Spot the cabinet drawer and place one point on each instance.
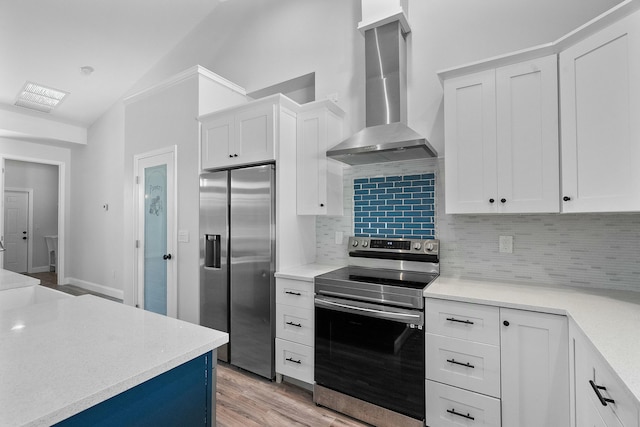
(473, 322)
(469, 365)
(294, 360)
(451, 406)
(294, 324)
(297, 293)
(590, 367)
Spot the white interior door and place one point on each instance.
(16, 214)
(155, 232)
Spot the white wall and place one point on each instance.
(43, 180)
(97, 238)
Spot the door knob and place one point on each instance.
(167, 256)
(24, 232)
(24, 238)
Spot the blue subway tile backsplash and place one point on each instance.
(394, 206)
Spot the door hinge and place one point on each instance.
(137, 179)
(137, 244)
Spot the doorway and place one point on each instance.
(155, 231)
(31, 215)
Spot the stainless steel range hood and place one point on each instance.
(386, 138)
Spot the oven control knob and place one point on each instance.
(417, 246)
(355, 243)
(365, 244)
(429, 247)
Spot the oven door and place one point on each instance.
(371, 352)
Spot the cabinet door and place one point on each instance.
(591, 371)
(254, 135)
(470, 135)
(527, 136)
(320, 188)
(312, 163)
(217, 137)
(535, 369)
(600, 106)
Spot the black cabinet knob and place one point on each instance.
(235, 155)
(503, 200)
(24, 238)
(167, 256)
(566, 198)
(322, 205)
(505, 323)
(491, 200)
(230, 155)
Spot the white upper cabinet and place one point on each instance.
(501, 139)
(320, 188)
(239, 137)
(600, 110)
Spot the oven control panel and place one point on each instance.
(384, 245)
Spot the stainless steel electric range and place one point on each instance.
(369, 338)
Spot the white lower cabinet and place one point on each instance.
(452, 406)
(535, 369)
(520, 380)
(294, 329)
(601, 398)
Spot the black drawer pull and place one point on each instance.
(299, 325)
(293, 293)
(453, 319)
(290, 359)
(455, 362)
(453, 411)
(596, 390)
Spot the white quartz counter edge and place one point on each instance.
(609, 319)
(72, 354)
(11, 280)
(305, 272)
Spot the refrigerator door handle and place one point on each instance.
(212, 251)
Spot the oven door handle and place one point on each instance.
(409, 318)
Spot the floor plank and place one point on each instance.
(244, 399)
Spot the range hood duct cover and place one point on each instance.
(386, 138)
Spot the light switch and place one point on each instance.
(506, 244)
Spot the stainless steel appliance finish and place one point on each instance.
(369, 338)
(237, 263)
(387, 137)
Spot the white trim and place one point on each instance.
(610, 16)
(94, 287)
(60, 264)
(398, 16)
(43, 269)
(29, 192)
(179, 78)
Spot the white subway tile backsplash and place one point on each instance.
(588, 250)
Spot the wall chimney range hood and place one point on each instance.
(386, 138)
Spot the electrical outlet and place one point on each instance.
(506, 244)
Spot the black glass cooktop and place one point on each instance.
(405, 279)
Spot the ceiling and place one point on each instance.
(48, 41)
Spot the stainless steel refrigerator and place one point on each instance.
(237, 263)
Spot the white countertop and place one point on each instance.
(11, 280)
(64, 356)
(306, 272)
(609, 318)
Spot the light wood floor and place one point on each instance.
(246, 400)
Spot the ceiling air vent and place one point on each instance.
(39, 98)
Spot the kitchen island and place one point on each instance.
(89, 361)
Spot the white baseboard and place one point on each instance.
(115, 293)
(43, 269)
